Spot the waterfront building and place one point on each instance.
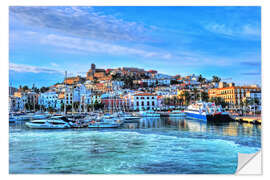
(233, 95)
(48, 99)
(145, 101)
(17, 103)
(115, 102)
(255, 98)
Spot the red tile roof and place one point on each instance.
(144, 94)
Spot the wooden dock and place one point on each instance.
(249, 119)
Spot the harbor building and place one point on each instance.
(145, 101)
(48, 99)
(234, 95)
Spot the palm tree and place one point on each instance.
(204, 96)
(216, 79)
(201, 79)
(195, 91)
(187, 97)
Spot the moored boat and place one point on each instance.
(58, 122)
(207, 111)
(177, 113)
(149, 113)
(106, 121)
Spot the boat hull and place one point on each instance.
(206, 118)
(45, 126)
(196, 116)
(103, 125)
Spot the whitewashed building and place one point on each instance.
(48, 99)
(145, 101)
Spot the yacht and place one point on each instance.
(103, 124)
(176, 113)
(12, 120)
(106, 121)
(57, 122)
(149, 113)
(207, 111)
(128, 117)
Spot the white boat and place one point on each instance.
(176, 113)
(52, 123)
(31, 116)
(207, 111)
(106, 121)
(100, 124)
(149, 113)
(12, 120)
(128, 116)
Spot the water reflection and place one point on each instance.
(150, 122)
(182, 124)
(154, 146)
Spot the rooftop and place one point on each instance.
(144, 94)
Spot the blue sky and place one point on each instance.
(222, 41)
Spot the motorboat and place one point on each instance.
(149, 113)
(12, 120)
(103, 124)
(57, 122)
(207, 111)
(177, 113)
(128, 117)
(106, 121)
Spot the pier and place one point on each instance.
(249, 119)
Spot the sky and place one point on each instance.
(221, 41)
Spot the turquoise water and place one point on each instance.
(154, 146)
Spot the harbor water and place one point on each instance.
(150, 146)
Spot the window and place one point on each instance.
(142, 103)
(148, 103)
(142, 97)
(153, 103)
(147, 97)
(153, 97)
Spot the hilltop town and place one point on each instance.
(133, 89)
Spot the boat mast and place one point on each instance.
(65, 101)
(72, 93)
(34, 103)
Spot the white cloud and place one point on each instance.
(32, 69)
(54, 64)
(81, 21)
(92, 46)
(237, 31)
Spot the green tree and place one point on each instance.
(216, 79)
(44, 89)
(51, 110)
(219, 101)
(204, 96)
(187, 97)
(25, 88)
(195, 91)
(68, 108)
(201, 79)
(172, 82)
